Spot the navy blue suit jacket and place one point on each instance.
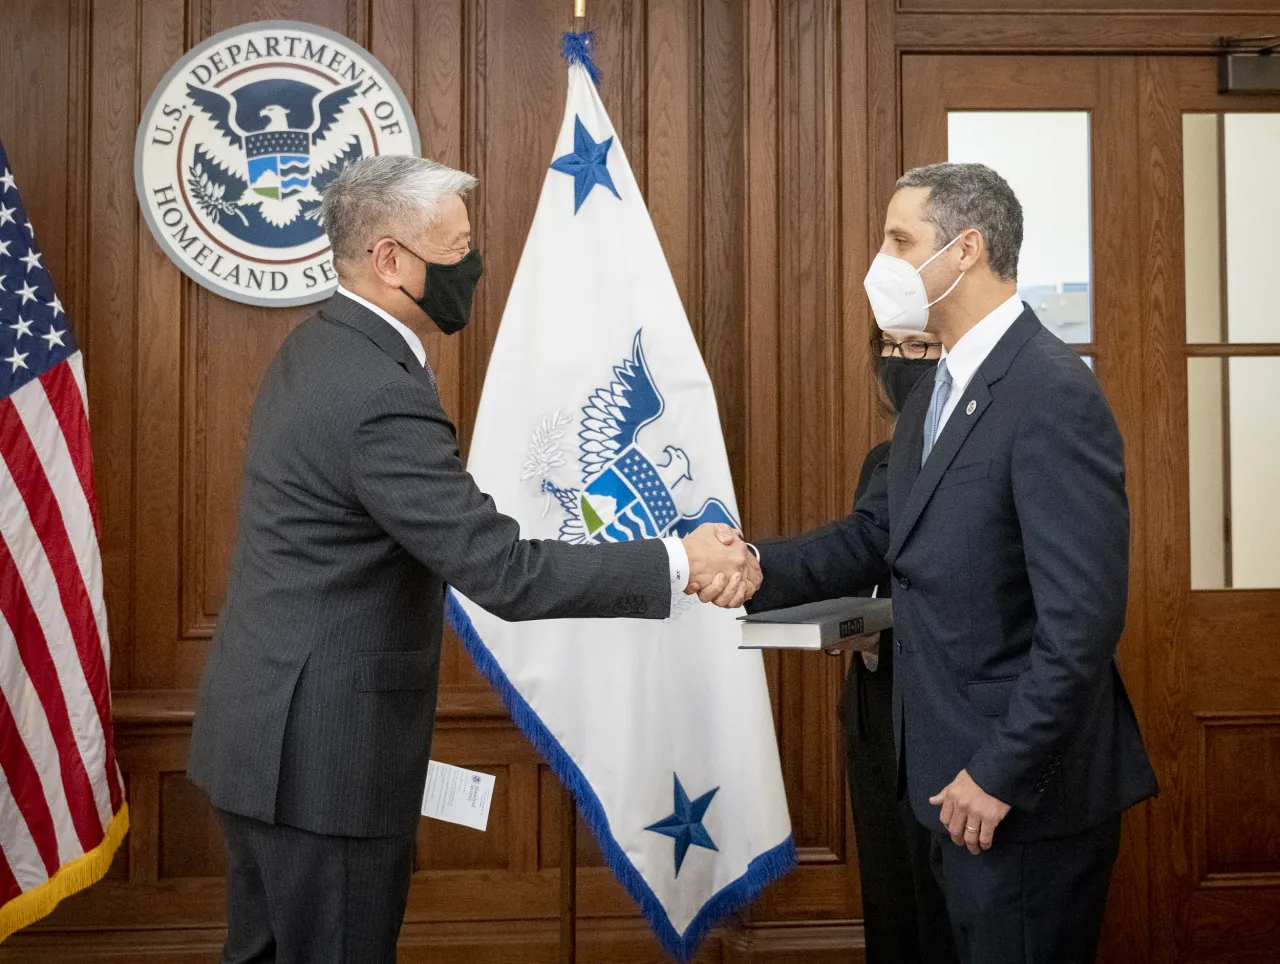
(1009, 555)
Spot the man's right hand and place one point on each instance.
(722, 569)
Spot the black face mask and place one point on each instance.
(899, 376)
(448, 289)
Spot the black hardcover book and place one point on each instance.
(853, 622)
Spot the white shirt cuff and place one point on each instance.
(678, 561)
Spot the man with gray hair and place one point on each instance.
(314, 716)
(1001, 517)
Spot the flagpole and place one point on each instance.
(568, 808)
(568, 879)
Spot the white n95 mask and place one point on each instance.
(896, 292)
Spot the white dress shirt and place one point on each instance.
(677, 558)
(968, 354)
(415, 343)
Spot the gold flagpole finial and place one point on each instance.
(579, 9)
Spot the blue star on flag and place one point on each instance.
(586, 165)
(684, 826)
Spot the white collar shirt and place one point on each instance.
(968, 354)
(414, 342)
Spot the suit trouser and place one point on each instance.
(903, 909)
(296, 897)
(1029, 903)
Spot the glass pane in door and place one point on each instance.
(1231, 180)
(1044, 155)
(1231, 209)
(1234, 448)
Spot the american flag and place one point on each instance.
(62, 809)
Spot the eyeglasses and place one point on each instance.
(913, 348)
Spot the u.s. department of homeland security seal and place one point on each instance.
(238, 141)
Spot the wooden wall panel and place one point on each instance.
(719, 165)
(191, 842)
(799, 473)
(1034, 28)
(111, 212)
(1087, 6)
(672, 187)
(765, 137)
(36, 127)
(450, 847)
(174, 369)
(160, 288)
(516, 94)
(1242, 797)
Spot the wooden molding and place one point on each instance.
(1035, 31)
(616, 940)
(132, 709)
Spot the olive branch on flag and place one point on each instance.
(544, 452)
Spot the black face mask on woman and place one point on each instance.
(448, 289)
(899, 376)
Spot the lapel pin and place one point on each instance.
(972, 408)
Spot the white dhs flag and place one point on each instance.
(598, 423)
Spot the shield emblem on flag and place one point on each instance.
(628, 500)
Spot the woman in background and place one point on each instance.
(903, 907)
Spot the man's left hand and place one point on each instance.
(969, 813)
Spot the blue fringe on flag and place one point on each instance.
(576, 49)
(761, 872)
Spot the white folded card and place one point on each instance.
(458, 795)
(850, 623)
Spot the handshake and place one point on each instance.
(723, 569)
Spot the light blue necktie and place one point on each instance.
(941, 392)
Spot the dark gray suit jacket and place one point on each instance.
(318, 698)
(1009, 553)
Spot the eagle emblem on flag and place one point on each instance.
(626, 494)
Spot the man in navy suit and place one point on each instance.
(1001, 517)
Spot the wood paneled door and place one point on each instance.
(1199, 874)
(1213, 707)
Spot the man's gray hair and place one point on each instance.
(964, 196)
(387, 196)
